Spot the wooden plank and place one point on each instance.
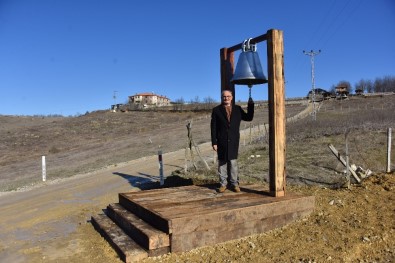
(208, 210)
(341, 159)
(212, 205)
(198, 216)
(163, 195)
(191, 203)
(208, 220)
(149, 216)
(218, 206)
(183, 194)
(144, 234)
(277, 143)
(187, 241)
(127, 249)
(226, 71)
(162, 202)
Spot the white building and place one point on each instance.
(149, 99)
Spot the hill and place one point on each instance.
(75, 145)
(50, 224)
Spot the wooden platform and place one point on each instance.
(183, 218)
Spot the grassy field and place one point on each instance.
(309, 159)
(74, 145)
(354, 224)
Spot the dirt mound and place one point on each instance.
(348, 225)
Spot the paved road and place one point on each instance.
(36, 221)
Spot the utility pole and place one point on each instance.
(312, 53)
(115, 97)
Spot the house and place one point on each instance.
(319, 95)
(342, 92)
(342, 89)
(149, 99)
(359, 91)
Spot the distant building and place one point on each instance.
(359, 91)
(149, 99)
(342, 89)
(342, 92)
(319, 95)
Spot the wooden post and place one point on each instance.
(227, 68)
(389, 150)
(162, 179)
(189, 147)
(277, 171)
(347, 161)
(250, 134)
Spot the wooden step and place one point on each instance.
(127, 249)
(155, 241)
(198, 216)
(144, 213)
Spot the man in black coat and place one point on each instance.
(225, 137)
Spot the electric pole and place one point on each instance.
(312, 54)
(115, 97)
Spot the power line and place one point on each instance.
(337, 21)
(312, 54)
(324, 21)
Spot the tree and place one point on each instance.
(378, 85)
(195, 100)
(386, 84)
(369, 86)
(383, 84)
(208, 102)
(333, 89)
(364, 86)
(178, 104)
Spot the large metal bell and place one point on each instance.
(248, 69)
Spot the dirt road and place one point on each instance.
(51, 223)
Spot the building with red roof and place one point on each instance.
(149, 99)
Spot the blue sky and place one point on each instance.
(68, 57)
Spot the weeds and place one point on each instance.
(98, 139)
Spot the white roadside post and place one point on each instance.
(44, 168)
(162, 181)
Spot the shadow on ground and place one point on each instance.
(145, 181)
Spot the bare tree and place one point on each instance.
(385, 84)
(195, 100)
(179, 104)
(364, 86)
(208, 102)
(333, 89)
(369, 86)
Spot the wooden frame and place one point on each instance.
(276, 97)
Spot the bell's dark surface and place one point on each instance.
(248, 70)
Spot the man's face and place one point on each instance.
(227, 98)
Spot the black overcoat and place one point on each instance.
(227, 135)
